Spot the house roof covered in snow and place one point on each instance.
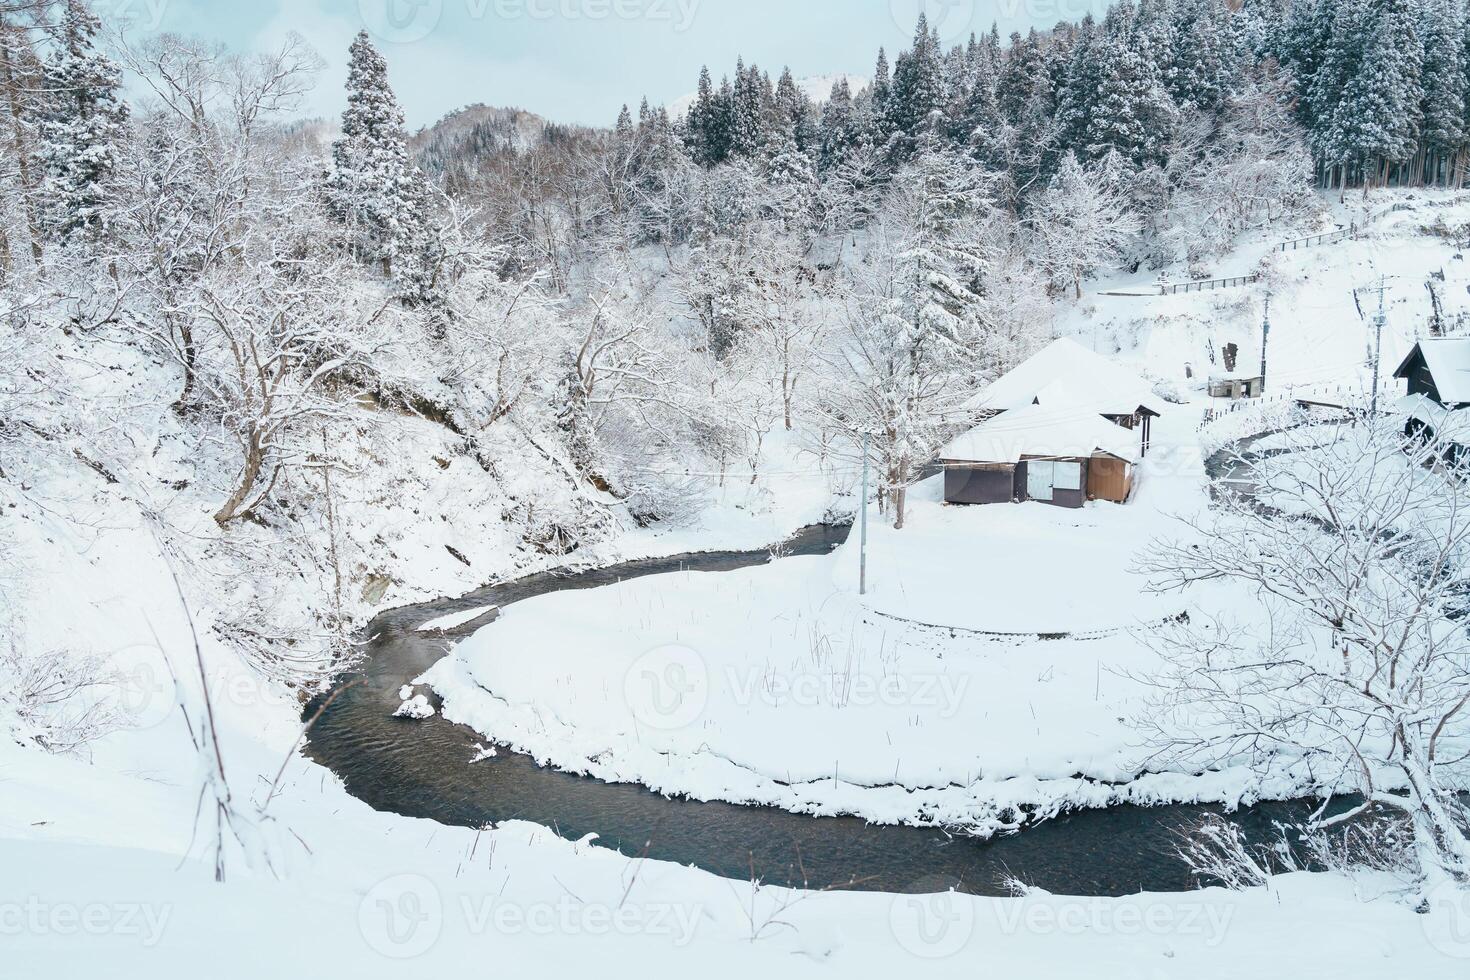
(1040, 430)
(1450, 424)
(1448, 359)
(1064, 374)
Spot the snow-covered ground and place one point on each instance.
(1022, 716)
(1321, 333)
(832, 699)
(994, 663)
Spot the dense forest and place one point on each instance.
(1379, 87)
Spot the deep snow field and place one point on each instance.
(811, 699)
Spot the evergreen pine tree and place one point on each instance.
(788, 101)
(1463, 162)
(1444, 85)
(1078, 92)
(918, 84)
(1375, 123)
(722, 127)
(979, 107)
(748, 116)
(373, 186)
(83, 124)
(702, 122)
(1132, 113)
(1205, 66)
(838, 129)
(1265, 28)
(879, 94)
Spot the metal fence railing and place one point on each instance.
(1201, 285)
(1326, 238)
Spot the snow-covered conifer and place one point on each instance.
(84, 122)
(373, 186)
(1131, 112)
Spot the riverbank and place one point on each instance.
(989, 676)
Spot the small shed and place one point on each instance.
(1439, 369)
(1063, 457)
(1237, 386)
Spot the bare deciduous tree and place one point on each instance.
(1353, 674)
(274, 340)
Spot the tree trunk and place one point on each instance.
(186, 335)
(18, 139)
(254, 459)
(1443, 846)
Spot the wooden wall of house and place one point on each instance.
(1421, 382)
(1109, 478)
(980, 483)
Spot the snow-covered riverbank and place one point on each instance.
(996, 663)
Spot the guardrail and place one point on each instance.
(1326, 238)
(1201, 285)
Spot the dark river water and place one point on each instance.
(423, 769)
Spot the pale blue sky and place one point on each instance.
(577, 61)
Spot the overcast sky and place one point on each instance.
(577, 61)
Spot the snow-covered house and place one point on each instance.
(1437, 405)
(1064, 427)
(1058, 455)
(1439, 369)
(1066, 375)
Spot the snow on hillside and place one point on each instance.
(1323, 302)
(512, 128)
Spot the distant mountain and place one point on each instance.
(317, 134)
(508, 127)
(815, 87)
(481, 132)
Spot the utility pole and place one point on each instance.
(863, 508)
(1265, 338)
(1378, 322)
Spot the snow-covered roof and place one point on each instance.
(1039, 430)
(1449, 361)
(1066, 374)
(1451, 424)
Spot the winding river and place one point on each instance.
(424, 769)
